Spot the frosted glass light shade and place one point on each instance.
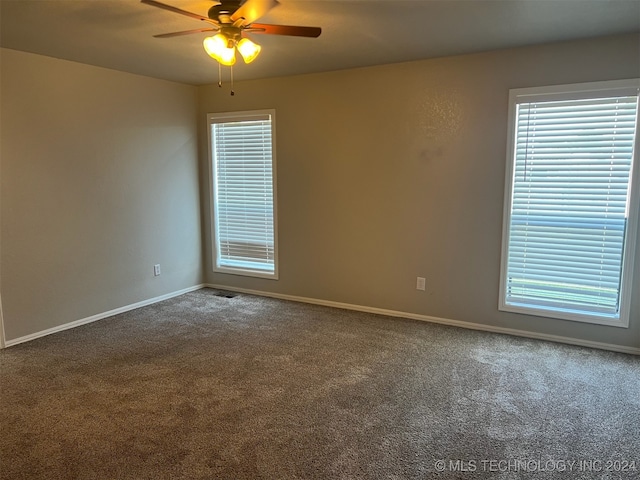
(217, 48)
(248, 50)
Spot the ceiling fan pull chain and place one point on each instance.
(219, 75)
(232, 92)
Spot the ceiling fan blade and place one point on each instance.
(186, 32)
(251, 10)
(164, 6)
(313, 32)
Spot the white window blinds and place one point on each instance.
(243, 197)
(569, 213)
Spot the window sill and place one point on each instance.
(607, 320)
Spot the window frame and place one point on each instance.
(569, 92)
(222, 117)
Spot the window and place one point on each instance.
(571, 207)
(243, 193)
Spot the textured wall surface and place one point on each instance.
(392, 172)
(99, 183)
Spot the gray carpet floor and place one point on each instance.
(202, 386)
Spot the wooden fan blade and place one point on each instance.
(313, 32)
(164, 6)
(252, 10)
(186, 32)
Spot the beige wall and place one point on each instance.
(393, 172)
(99, 182)
(384, 174)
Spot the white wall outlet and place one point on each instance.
(156, 269)
(420, 283)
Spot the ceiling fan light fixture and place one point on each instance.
(248, 49)
(231, 19)
(217, 48)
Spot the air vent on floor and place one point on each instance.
(226, 294)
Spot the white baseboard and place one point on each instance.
(1, 326)
(328, 303)
(99, 316)
(443, 321)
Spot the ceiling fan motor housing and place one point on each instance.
(224, 8)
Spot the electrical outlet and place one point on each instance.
(156, 269)
(420, 283)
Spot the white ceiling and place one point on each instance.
(117, 34)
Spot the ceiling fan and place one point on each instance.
(231, 19)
